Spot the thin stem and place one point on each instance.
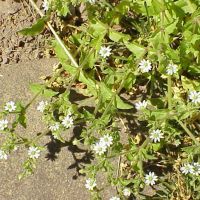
(118, 169)
(55, 35)
(33, 99)
(113, 96)
(169, 95)
(188, 131)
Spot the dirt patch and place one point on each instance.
(14, 47)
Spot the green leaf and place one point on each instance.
(136, 49)
(107, 94)
(70, 69)
(117, 36)
(36, 87)
(121, 104)
(190, 84)
(158, 6)
(59, 51)
(49, 93)
(36, 28)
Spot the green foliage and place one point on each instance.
(36, 28)
(118, 96)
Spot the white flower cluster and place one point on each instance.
(3, 124)
(151, 178)
(141, 105)
(41, 106)
(171, 69)
(68, 122)
(194, 96)
(145, 66)
(101, 146)
(3, 155)
(193, 168)
(90, 184)
(156, 135)
(105, 52)
(34, 152)
(10, 106)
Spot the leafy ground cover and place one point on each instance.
(134, 66)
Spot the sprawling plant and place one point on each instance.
(135, 77)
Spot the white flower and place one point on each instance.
(194, 97)
(33, 152)
(67, 122)
(107, 140)
(99, 148)
(187, 168)
(127, 192)
(41, 106)
(156, 135)
(91, 1)
(145, 66)
(90, 184)
(171, 69)
(45, 5)
(141, 105)
(114, 198)
(10, 106)
(105, 52)
(3, 124)
(177, 143)
(151, 178)
(54, 127)
(196, 171)
(3, 155)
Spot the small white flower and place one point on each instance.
(107, 139)
(187, 168)
(177, 143)
(41, 106)
(99, 148)
(90, 184)
(3, 155)
(45, 5)
(171, 69)
(33, 152)
(145, 66)
(105, 52)
(3, 124)
(67, 122)
(196, 171)
(194, 96)
(54, 127)
(156, 135)
(92, 1)
(127, 192)
(10, 106)
(151, 178)
(114, 198)
(141, 105)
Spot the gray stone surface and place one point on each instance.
(53, 180)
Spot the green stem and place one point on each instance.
(188, 131)
(33, 99)
(73, 61)
(169, 95)
(113, 97)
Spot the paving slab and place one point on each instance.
(54, 179)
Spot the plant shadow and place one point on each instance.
(54, 147)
